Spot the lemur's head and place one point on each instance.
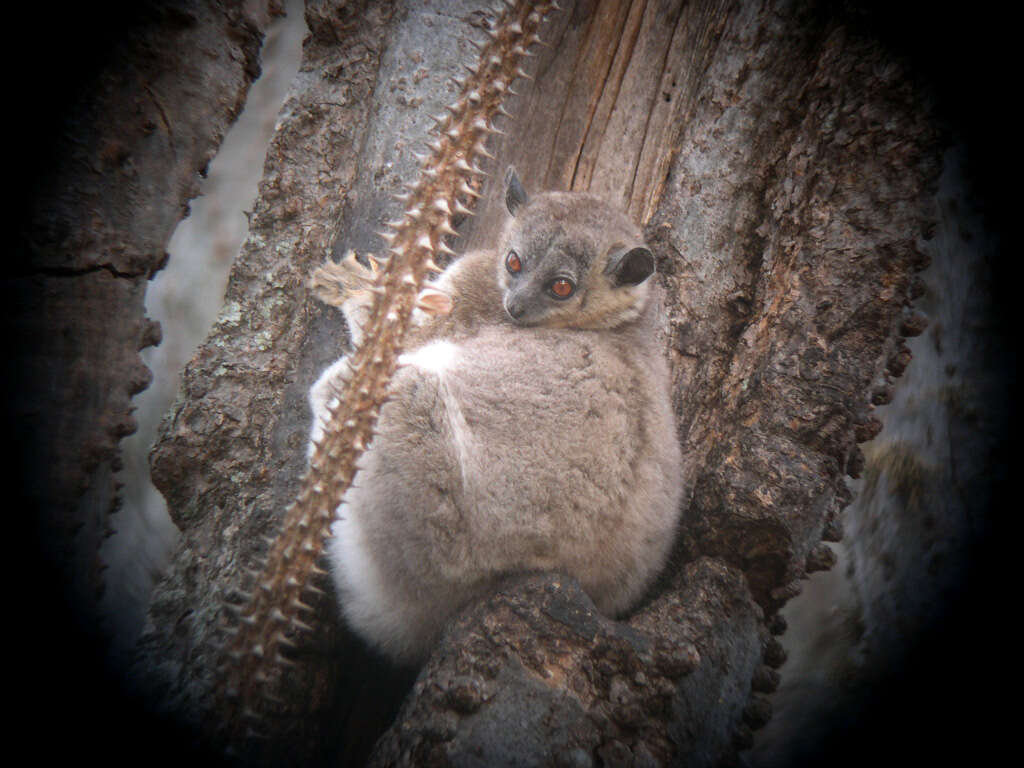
(570, 260)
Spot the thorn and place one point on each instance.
(460, 208)
(523, 74)
(299, 605)
(284, 661)
(282, 639)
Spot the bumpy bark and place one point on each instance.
(131, 111)
(782, 165)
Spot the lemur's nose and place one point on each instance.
(514, 307)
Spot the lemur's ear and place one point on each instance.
(629, 266)
(515, 195)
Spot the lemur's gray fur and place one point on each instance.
(530, 429)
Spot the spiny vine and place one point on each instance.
(275, 613)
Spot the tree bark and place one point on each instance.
(783, 165)
(109, 153)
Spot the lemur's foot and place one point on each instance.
(337, 283)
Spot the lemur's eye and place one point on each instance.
(512, 263)
(562, 288)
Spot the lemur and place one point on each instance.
(529, 428)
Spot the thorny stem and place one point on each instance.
(272, 619)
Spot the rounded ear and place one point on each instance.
(515, 195)
(629, 266)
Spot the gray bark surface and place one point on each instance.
(784, 165)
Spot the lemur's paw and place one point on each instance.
(335, 283)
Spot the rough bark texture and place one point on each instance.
(581, 689)
(783, 165)
(132, 112)
(235, 446)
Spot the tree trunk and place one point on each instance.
(783, 165)
(107, 154)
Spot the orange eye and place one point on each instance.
(512, 263)
(562, 288)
